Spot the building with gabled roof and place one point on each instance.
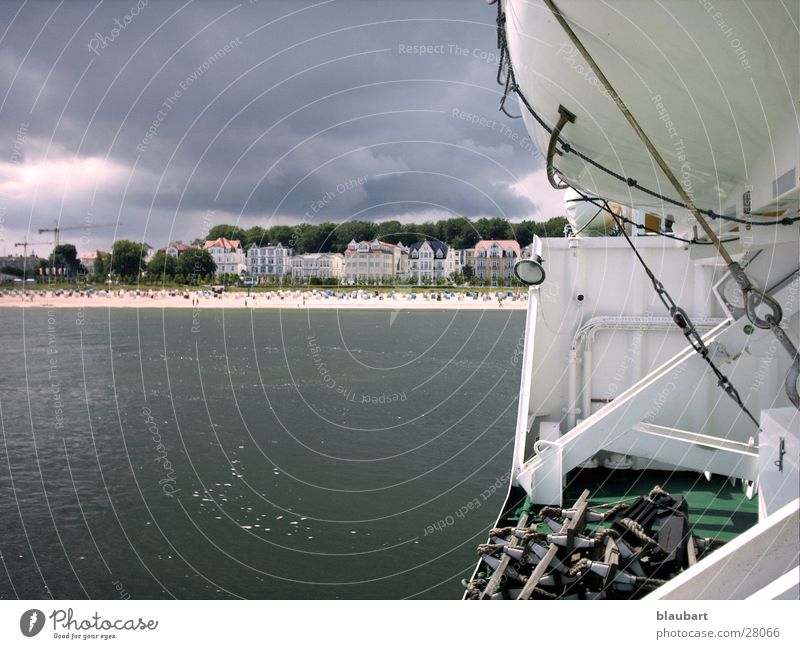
(375, 260)
(429, 261)
(494, 260)
(228, 255)
(269, 261)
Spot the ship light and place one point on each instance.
(530, 271)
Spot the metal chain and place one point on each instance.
(684, 322)
(753, 296)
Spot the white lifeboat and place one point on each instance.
(715, 86)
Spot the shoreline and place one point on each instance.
(260, 302)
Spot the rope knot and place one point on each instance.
(632, 182)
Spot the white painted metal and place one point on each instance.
(752, 561)
(585, 217)
(638, 403)
(523, 419)
(779, 473)
(668, 390)
(687, 450)
(785, 587)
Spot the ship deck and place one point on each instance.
(717, 509)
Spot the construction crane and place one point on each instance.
(58, 230)
(25, 245)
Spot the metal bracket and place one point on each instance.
(781, 453)
(564, 117)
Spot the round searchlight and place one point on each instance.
(530, 271)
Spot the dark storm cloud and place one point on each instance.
(256, 111)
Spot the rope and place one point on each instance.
(509, 83)
(658, 492)
(650, 582)
(543, 593)
(500, 531)
(578, 567)
(638, 531)
(551, 512)
(488, 548)
(601, 534)
(616, 509)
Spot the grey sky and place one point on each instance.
(197, 113)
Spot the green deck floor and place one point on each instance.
(717, 509)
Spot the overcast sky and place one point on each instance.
(166, 118)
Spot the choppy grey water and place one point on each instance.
(156, 454)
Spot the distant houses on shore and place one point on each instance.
(376, 261)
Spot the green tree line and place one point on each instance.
(333, 237)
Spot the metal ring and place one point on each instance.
(753, 298)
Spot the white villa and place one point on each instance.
(430, 260)
(228, 255)
(89, 259)
(325, 265)
(177, 249)
(269, 261)
(375, 260)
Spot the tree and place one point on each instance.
(64, 256)
(127, 258)
(459, 233)
(163, 264)
(231, 232)
(468, 271)
(102, 264)
(11, 270)
(255, 235)
(282, 234)
(390, 231)
(494, 228)
(354, 230)
(316, 238)
(194, 264)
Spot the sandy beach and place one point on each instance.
(348, 299)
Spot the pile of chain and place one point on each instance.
(609, 552)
